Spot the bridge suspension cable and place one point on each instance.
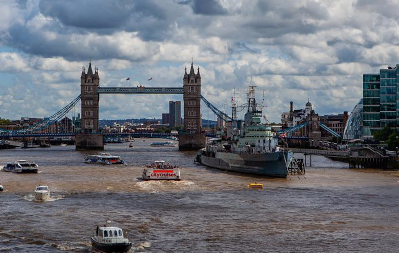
(215, 110)
(47, 121)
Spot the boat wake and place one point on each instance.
(156, 186)
(53, 197)
(142, 246)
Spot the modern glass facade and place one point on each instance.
(354, 128)
(371, 104)
(380, 100)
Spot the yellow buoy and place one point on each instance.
(256, 185)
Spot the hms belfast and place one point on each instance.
(252, 150)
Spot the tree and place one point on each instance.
(383, 134)
(4, 121)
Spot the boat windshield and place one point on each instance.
(42, 188)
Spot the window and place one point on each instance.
(88, 89)
(192, 102)
(105, 233)
(89, 102)
(89, 113)
(89, 123)
(192, 89)
(110, 233)
(115, 233)
(192, 113)
(120, 232)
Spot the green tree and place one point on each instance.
(4, 121)
(383, 134)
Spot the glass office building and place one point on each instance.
(354, 125)
(380, 101)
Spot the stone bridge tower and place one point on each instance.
(192, 138)
(89, 136)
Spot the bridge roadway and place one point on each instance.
(135, 135)
(140, 90)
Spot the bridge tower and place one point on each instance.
(192, 138)
(89, 136)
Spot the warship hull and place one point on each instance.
(265, 164)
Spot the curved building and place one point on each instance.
(354, 126)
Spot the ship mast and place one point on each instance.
(234, 105)
(251, 99)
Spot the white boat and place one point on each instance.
(160, 170)
(131, 145)
(64, 144)
(21, 166)
(104, 158)
(1, 188)
(163, 144)
(110, 239)
(42, 193)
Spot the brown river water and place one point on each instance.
(330, 209)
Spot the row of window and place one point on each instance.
(191, 102)
(89, 123)
(387, 73)
(373, 86)
(192, 113)
(371, 116)
(89, 113)
(89, 102)
(109, 233)
(388, 82)
(371, 101)
(371, 78)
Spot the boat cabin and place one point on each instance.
(12, 165)
(161, 165)
(42, 188)
(109, 234)
(26, 164)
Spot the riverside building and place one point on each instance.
(380, 101)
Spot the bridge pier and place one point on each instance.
(189, 141)
(86, 141)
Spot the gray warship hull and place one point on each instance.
(265, 164)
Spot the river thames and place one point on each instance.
(330, 209)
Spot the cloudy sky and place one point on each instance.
(293, 49)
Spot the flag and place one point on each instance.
(127, 79)
(150, 79)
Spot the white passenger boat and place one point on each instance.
(160, 170)
(21, 166)
(163, 144)
(42, 193)
(104, 158)
(110, 239)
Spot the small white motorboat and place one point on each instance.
(1, 188)
(110, 239)
(42, 193)
(160, 170)
(131, 145)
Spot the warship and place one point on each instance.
(252, 149)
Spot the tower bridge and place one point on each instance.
(89, 136)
